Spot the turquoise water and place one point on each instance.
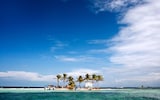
(117, 94)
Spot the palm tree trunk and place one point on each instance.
(79, 85)
(57, 83)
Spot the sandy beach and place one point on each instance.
(21, 90)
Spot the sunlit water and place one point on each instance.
(114, 94)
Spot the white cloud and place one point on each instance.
(67, 59)
(136, 48)
(99, 51)
(27, 76)
(58, 45)
(138, 43)
(101, 41)
(130, 76)
(83, 72)
(116, 5)
(75, 58)
(147, 78)
(36, 77)
(72, 52)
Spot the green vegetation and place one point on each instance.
(58, 78)
(64, 79)
(80, 80)
(72, 83)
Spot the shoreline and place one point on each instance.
(42, 90)
(55, 89)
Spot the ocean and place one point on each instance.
(113, 94)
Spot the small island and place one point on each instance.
(69, 83)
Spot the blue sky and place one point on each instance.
(40, 39)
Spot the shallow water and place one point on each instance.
(117, 94)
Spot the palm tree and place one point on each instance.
(71, 83)
(94, 77)
(87, 77)
(64, 78)
(80, 80)
(58, 78)
(70, 78)
(99, 78)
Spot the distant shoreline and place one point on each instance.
(20, 87)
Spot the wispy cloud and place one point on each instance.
(58, 45)
(113, 5)
(72, 52)
(104, 50)
(104, 42)
(138, 43)
(100, 41)
(130, 76)
(27, 76)
(136, 48)
(75, 58)
(67, 59)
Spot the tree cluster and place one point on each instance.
(71, 82)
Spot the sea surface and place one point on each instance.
(112, 94)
